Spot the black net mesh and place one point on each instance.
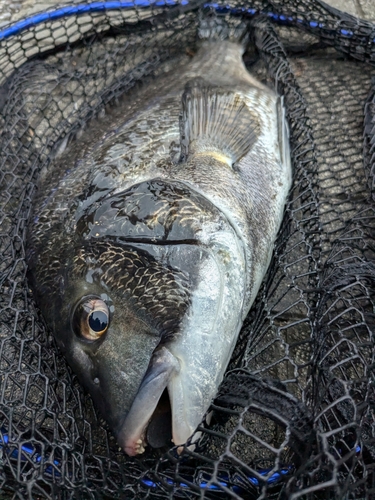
(294, 416)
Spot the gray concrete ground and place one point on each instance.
(360, 8)
(13, 10)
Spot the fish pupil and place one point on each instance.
(98, 321)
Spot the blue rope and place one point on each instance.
(226, 482)
(29, 452)
(74, 10)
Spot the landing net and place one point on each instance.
(294, 416)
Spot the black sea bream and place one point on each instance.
(147, 253)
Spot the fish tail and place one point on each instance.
(215, 27)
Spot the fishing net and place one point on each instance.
(294, 416)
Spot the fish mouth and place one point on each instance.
(152, 394)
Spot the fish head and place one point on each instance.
(145, 302)
(112, 307)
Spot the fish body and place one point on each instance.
(146, 254)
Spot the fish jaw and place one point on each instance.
(162, 367)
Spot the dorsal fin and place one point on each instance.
(216, 121)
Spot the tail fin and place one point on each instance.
(214, 27)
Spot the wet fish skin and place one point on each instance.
(169, 220)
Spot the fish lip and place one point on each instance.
(131, 436)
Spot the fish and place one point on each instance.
(146, 251)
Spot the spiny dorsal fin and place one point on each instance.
(216, 121)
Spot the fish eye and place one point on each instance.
(90, 318)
